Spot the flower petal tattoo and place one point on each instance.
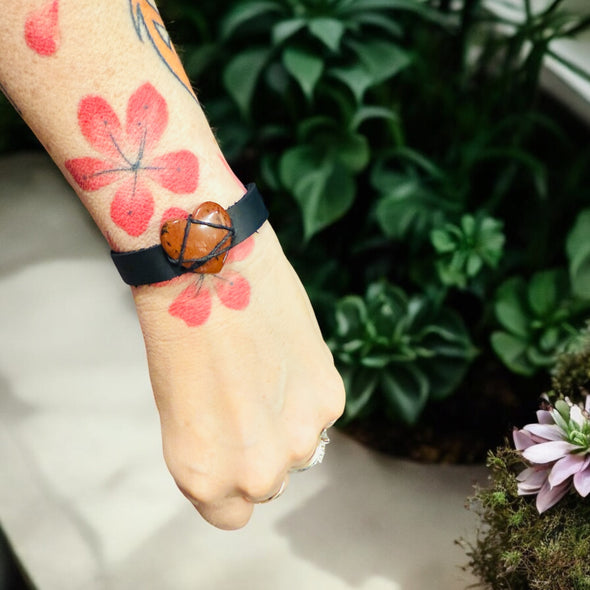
(127, 160)
(194, 304)
(147, 20)
(42, 30)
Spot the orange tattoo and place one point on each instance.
(147, 19)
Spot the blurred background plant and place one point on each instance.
(433, 199)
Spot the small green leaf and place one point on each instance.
(406, 392)
(545, 291)
(510, 306)
(324, 196)
(297, 163)
(512, 351)
(360, 386)
(364, 113)
(328, 30)
(285, 29)
(305, 67)
(578, 251)
(355, 77)
(241, 76)
(442, 240)
(351, 316)
(580, 272)
(409, 208)
(242, 12)
(352, 150)
(386, 23)
(381, 59)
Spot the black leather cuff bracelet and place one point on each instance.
(198, 243)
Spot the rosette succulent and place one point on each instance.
(558, 450)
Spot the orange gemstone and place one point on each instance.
(201, 239)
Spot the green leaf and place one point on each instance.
(381, 59)
(376, 5)
(578, 251)
(512, 351)
(352, 150)
(328, 30)
(386, 23)
(536, 167)
(241, 13)
(580, 273)
(351, 316)
(442, 240)
(324, 196)
(323, 188)
(409, 208)
(360, 386)
(305, 67)
(377, 61)
(510, 306)
(197, 59)
(544, 292)
(355, 77)
(285, 29)
(364, 113)
(241, 75)
(406, 392)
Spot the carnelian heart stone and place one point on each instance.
(201, 239)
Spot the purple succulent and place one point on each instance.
(558, 450)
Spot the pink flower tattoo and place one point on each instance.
(194, 304)
(128, 160)
(42, 29)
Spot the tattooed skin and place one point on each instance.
(195, 302)
(128, 160)
(42, 30)
(147, 21)
(129, 167)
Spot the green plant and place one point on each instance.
(397, 352)
(320, 171)
(538, 318)
(315, 63)
(464, 249)
(578, 251)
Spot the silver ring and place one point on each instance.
(275, 495)
(318, 454)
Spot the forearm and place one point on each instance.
(108, 99)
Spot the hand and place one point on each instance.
(244, 396)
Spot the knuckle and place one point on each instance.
(229, 516)
(303, 445)
(260, 480)
(336, 398)
(199, 489)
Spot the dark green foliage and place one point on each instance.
(405, 350)
(539, 319)
(518, 549)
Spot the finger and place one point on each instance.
(269, 496)
(228, 514)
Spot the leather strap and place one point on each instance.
(152, 265)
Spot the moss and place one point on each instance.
(571, 375)
(518, 549)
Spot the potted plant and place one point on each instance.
(535, 516)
